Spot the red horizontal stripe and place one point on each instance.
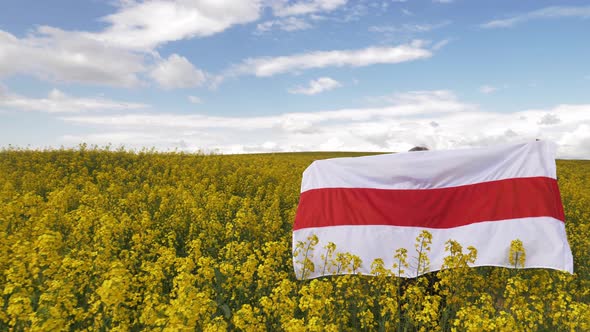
(431, 208)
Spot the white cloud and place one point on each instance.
(407, 12)
(317, 86)
(130, 121)
(576, 144)
(487, 89)
(177, 72)
(57, 55)
(145, 25)
(285, 24)
(353, 12)
(311, 131)
(401, 105)
(440, 44)
(284, 8)
(437, 119)
(544, 13)
(549, 119)
(409, 31)
(195, 99)
(58, 102)
(117, 55)
(124, 52)
(409, 28)
(162, 141)
(269, 66)
(444, 99)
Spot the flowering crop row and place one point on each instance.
(112, 240)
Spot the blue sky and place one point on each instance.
(244, 76)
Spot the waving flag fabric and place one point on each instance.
(371, 206)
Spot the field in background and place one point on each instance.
(112, 240)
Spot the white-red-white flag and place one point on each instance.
(485, 197)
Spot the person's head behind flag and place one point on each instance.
(418, 148)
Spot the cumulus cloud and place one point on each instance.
(437, 119)
(408, 28)
(444, 99)
(195, 100)
(146, 25)
(285, 24)
(409, 31)
(125, 52)
(305, 125)
(177, 72)
(487, 89)
(56, 55)
(406, 12)
(416, 103)
(59, 102)
(269, 66)
(544, 13)
(576, 144)
(284, 8)
(549, 119)
(117, 55)
(317, 86)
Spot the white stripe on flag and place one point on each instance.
(542, 237)
(433, 169)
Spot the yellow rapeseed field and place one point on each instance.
(102, 240)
